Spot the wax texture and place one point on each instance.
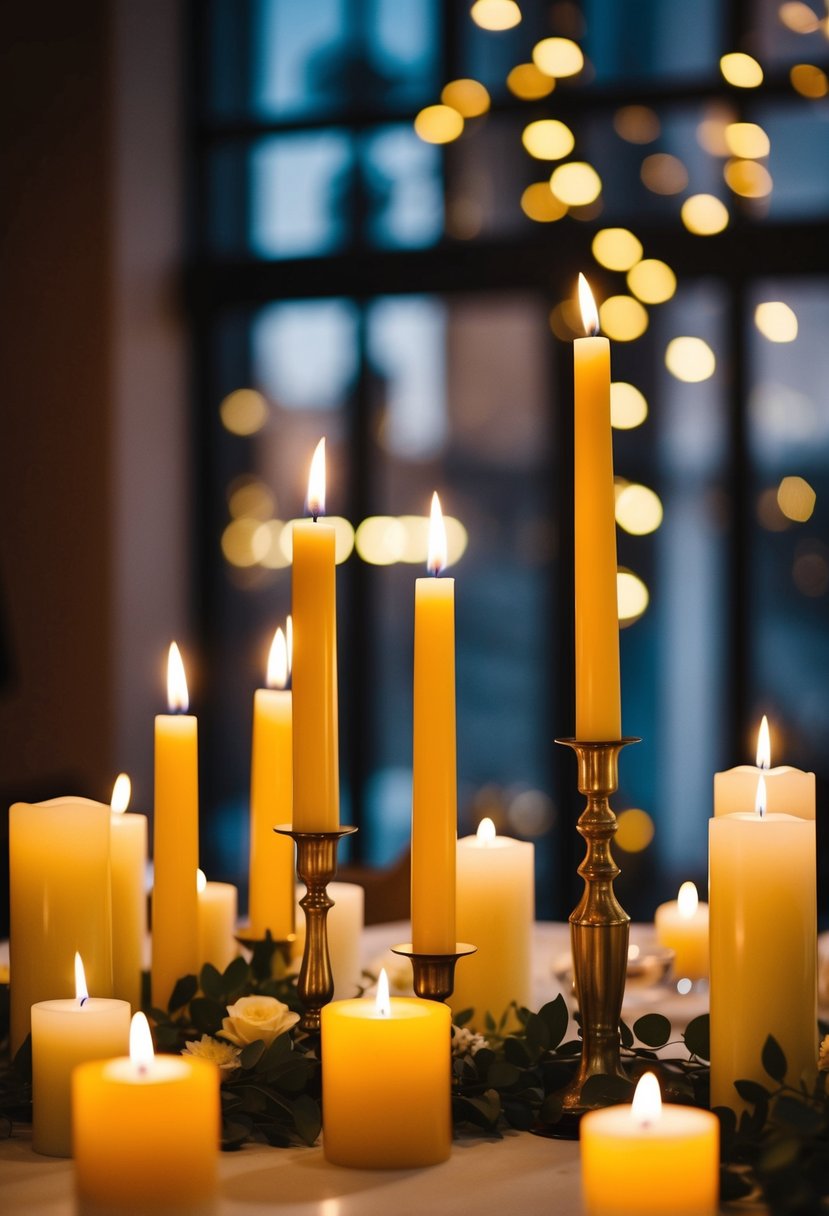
(789, 791)
(218, 913)
(128, 845)
(272, 866)
(686, 936)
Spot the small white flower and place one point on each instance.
(823, 1057)
(225, 1057)
(466, 1042)
(257, 1017)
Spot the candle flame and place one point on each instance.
(81, 990)
(289, 641)
(633, 952)
(382, 1002)
(687, 901)
(486, 831)
(647, 1100)
(316, 482)
(141, 1042)
(437, 538)
(589, 313)
(178, 699)
(121, 793)
(278, 661)
(760, 800)
(201, 881)
(763, 745)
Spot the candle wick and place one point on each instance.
(314, 516)
(83, 1001)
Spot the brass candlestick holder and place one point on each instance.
(434, 974)
(599, 926)
(316, 865)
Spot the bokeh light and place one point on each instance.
(690, 359)
(632, 595)
(616, 248)
(634, 830)
(747, 140)
(565, 320)
(244, 412)
(628, 406)
(343, 538)
(495, 14)
(548, 139)
(268, 540)
(664, 174)
(528, 82)
(636, 124)
(776, 321)
(769, 513)
(540, 204)
(241, 544)
(810, 570)
(809, 80)
(623, 318)
(796, 499)
(711, 131)
(380, 540)
(576, 183)
(798, 17)
(704, 214)
(558, 57)
(438, 124)
(652, 281)
(747, 178)
(741, 70)
(247, 495)
(468, 97)
(638, 509)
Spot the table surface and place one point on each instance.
(522, 1172)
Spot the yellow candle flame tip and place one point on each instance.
(121, 794)
(382, 1001)
(589, 312)
(178, 698)
(278, 661)
(486, 831)
(760, 800)
(647, 1100)
(316, 481)
(764, 744)
(81, 990)
(437, 538)
(687, 900)
(142, 1053)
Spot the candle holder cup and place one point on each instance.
(599, 931)
(434, 974)
(316, 864)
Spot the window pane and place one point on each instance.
(405, 188)
(300, 187)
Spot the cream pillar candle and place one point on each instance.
(386, 1082)
(682, 926)
(128, 851)
(64, 1034)
(345, 928)
(316, 780)
(146, 1133)
(175, 839)
(788, 790)
(496, 910)
(598, 698)
(763, 946)
(434, 778)
(272, 866)
(218, 912)
(647, 1159)
(59, 873)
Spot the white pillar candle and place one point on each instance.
(789, 790)
(763, 947)
(128, 850)
(60, 902)
(345, 927)
(682, 925)
(66, 1033)
(495, 911)
(218, 913)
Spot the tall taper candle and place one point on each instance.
(128, 848)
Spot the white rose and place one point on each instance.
(225, 1057)
(257, 1017)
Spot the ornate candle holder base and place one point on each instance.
(434, 974)
(599, 929)
(316, 865)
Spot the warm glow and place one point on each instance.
(81, 990)
(495, 14)
(748, 178)
(687, 901)
(548, 139)
(760, 800)
(638, 510)
(343, 539)
(647, 1100)
(798, 17)
(277, 673)
(289, 641)
(616, 248)
(664, 174)
(529, 83)
(690, 359)
(809, 80)
(247, 542)
(636, 124)
(178, 699)
(589, 314)
(382, 1001)
(623, 318)
(141, 1041)
(251, 497)
(632, 596)
(628, 407)
(558, 57)
(764, 744)
(634, 830)
(576, 183)
(244, 412)
(796, 499)
(201, 881)
(540, 204)
(266, 547)
(468, 97)
(121, 793)
(741, 70)
(438, 124)
(747, 140)
(486, 831)
(776, 321)
(711, 131)
(315, 501)
(380, 540)
(704, 214)
(436, 559)
(652, 281)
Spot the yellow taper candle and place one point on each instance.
(146, 1132)
(175, 839)
(316, 780)
(598, 708)
(128, 848)
(386, 1083)
(218, 912)
(272, 872)
(788, 789)
(434, 778)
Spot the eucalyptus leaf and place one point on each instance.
(556, 1017)
(654, 1029)
(502, 1074)
(307, 1118)
(551, 1109)
(538, 1032)
(207, 1015)
(751, 1091)
(515, 1050)
(489, 1023)
(697, 1036)
(626, 1035)
(183, 992)
(211, 982)
(798, 1115)
(251, 1054)
(774, 1059)
(236, 978)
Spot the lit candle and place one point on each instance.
(598, 711)
(647, 1159)
(218, 912)
(271, 902)
(60, 902)
(386, 1083)
(175, 839)
(128, 852)
(345, 929)
(434, 792)
(763, 946)
(682, 925)
(316, 781)
(788, 790)
(146, 1131)
(66, 1033)
(496, 909)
